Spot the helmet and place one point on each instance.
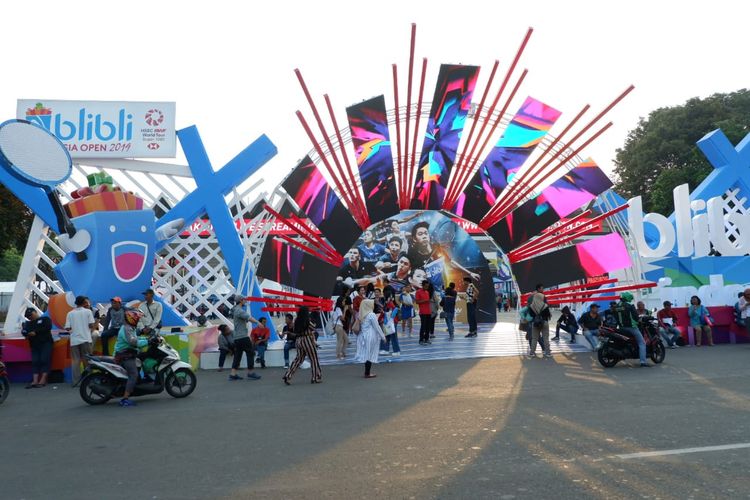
(132, 316)
(626, 297)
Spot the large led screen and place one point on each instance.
(450, 105)
(372, 149)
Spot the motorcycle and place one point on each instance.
(617, 345)
(104, 379)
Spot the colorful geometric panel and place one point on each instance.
(293, 267)
(450, 105)
(310, 191)
(585, 260)
(563, 197)
(524, 132)
(372, 148)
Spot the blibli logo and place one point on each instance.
(87, 127)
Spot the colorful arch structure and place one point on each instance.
(529, 191)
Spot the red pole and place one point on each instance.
(448, 201)
(408, 93)
(307, 249)
(327, 140)
(321, 242)
(500, 91)
(508, 206)
(410, 178)
(638, 286)
(307, 234)
(569, 222)
(283, 293)
(475, 160)
(344, 193)
(549, 234)
(349, 170)
(401, 173)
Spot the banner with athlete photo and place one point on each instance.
(416, 246)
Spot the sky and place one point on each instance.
(229, 66)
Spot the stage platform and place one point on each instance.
(500, 339)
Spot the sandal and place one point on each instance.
(286, 380)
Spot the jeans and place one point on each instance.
(670, 340)
(593, 337)
(568, 328)
(449, 322)
(424, 327)
(246, 346)
(223, 356)
(106, 335)
(289, 344)
(471, 316)
(641, 343)
(41, 357)
(131, 367)
(260, 349)
(390, 340)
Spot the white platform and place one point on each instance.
(274, 357)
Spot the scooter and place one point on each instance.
(104, 379)
(618, 345)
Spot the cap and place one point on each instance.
(116, 299)
(150, 290)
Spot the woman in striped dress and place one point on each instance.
(370, 335)
(305, 345)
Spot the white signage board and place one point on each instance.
(106, 129)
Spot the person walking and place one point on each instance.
(370, 335)
(449, 308)
(241, 338)
(540, 322)
(38, 331)
(423, 303)
(434, 308)
(342, 338)
(700, 320)
(287, 335)
(472, 296)
(80, 323)
(406, 299)
(306, 348)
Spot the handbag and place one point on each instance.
(441, 315)
(356, 327)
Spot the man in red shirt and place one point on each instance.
(425, 313)
(668, 325)
(358, 298)
(259, 336)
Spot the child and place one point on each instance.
(226, 345)
(260, 335)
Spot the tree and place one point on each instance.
(15, 221)
(10, 263)
(660, 153)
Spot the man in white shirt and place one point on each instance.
(150, 322)
(80, 323)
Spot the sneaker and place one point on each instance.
(450, 337)
(645, 365)
(468, 335)
(396, 354)
(383, 353)
(547, 355)
(531, 355)
(235, 377)
(429, 342)
(286, 365)
(673, 346)
(127, 402)
(556, 339)
(253, 376)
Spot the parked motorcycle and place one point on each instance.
(617, 345)
(104, 379)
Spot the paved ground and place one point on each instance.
(500, 428)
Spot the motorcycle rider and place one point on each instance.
(126, 351)
(627, 320)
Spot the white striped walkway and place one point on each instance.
(500, 339)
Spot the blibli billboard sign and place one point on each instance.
(106, 129)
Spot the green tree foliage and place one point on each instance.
(660, 153)
(15, 221)
(10, 262)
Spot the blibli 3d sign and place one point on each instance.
(697, 226)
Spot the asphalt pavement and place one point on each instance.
(496, 428)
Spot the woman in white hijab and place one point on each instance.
(370, 335)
